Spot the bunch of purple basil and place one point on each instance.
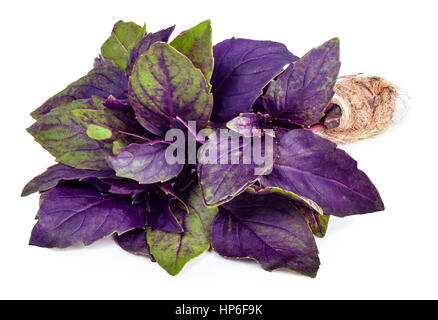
(108, 131)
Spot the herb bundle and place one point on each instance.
(108, 132)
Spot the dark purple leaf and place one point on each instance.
(186, 178)
(117, 104)
(312, 167)
(229, 174)
(125, 187)
(258, 106)
(161, 216)
(142, 198)
(297, 200)
(144, 45)
(169, 190)
(97, 184)
(242, 68)
(101, 81)
(145, 163)
(74, 213)
(134, 241)
(266, 228)
(58, 173)
(303, 91)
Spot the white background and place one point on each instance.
(46, 45)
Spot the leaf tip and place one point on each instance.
(26, 191)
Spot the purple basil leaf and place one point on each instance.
(312, 167)
(164, 85)
(246, 124)
(117, 104)
(74, 213)
(318, 223)
(101, 81)
(266, 228)
(145, 163)
(242, 68)
(161, 216)
(186, 178)
(169, 190)
(59, 172)
(303, 91)
(142, 198)
(258, 106)
(222, 181)
(134, 241)
(98, 184)
(125, 187)
(144, 45)
(298, 200)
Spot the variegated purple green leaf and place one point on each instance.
(134, 241)
(162, 212)
(312, 167)
(246, 124)
(268, 229)
(230, 170)
(64, 136)
(101, 82)
(124, 37)
(110, 124)
(242, 68)
(145, 163)
(165, 85)
(318, 223)
(144, 45)
(303, 91)
(76, 213)
(172, 250)
(196, 44)
(195, 203)
(58, 173)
